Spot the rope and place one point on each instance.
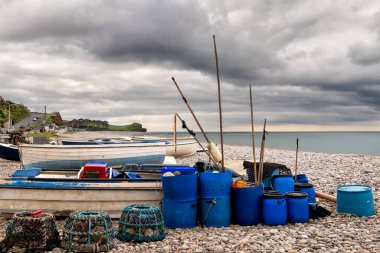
(213, 202)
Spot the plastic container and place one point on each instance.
(356, 200)
(271, 191)
(215, 212)
(180, 214)
(183, 169)
(215, 185)
(246, 205)
(283, 183)
(180, 188)
(307, 188)
(95, 170)
(274, 209)
(297, 206)
(301, 178)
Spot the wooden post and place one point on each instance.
(296, 167)
(253, 137)
(175, 132)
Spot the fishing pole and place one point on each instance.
(253, 136)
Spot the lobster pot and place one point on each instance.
(356, 200)
(180, 214)
(307, 188)
(297, 206)
(141, 223)
(180, 188)
(283, 183)
(88, 231)
(274, 209)
(33, 233)
(246, 205)
(215, 199)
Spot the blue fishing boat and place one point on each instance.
(9, 152)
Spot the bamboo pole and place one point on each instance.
(175, 132)
(199, 143)
(296, 167)
(220, 103)
(253, 136)
(191, 110)
(262, 150)
(325, 196)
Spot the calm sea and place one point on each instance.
(325, 142)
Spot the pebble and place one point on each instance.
(336, 233)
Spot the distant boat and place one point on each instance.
(185, 146)
(75, 156)
(61, 192)
(9, 152)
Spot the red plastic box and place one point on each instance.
(95, 170)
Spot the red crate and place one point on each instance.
(95, 168)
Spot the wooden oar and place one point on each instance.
(253, 137)
(220, 103)
(295, 176)
(325, 196)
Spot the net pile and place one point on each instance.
(268, 169)
(88, 231)
(141, 223)
(34, 233)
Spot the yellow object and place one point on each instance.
(214, 151)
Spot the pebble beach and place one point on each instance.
(336, 233)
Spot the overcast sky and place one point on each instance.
(314, 65)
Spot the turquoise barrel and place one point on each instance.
(215, 199)
(181, 188)
(297, 207)
(180, 214)
(301, 178)
(356, 200)
(246, 205)
(307, 188)
(283, 183)
(274, 209)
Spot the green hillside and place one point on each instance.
(18, 111)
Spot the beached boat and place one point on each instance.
(9, 152)
(75, 156)
(184, 147)
(61, 192)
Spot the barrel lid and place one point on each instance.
(283, 175)
(273, 195)
(303, 185)
(271, 191)
(354, 188)
(296, 195)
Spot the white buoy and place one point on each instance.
(214, 151)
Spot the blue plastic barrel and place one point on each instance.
(215, 212)
(183, 187)
(283, 183)
(307, 188)
(274, 209)
(356, 200)
(246, 205)
(215, 199)
(301, 178)
(180, 214)
(215, 185)
(297, 206)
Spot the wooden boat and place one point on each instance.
(9, 152)
(185, 146)
(61, 192)
(74, 156)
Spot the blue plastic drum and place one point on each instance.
(180, 188)
(215, 212)
(307, 188)
(283, 183)
(298, 207)
(356, 200)
(215, 185)
(180, 214)
(246, 205)
(274, 209)
(301, 178)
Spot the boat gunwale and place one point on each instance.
(126, 145)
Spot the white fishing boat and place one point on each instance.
(75, 156)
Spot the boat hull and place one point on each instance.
(63, 197)
(183, 149)
(74, 156)
(9, 152)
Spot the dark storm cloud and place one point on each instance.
(311, 63)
